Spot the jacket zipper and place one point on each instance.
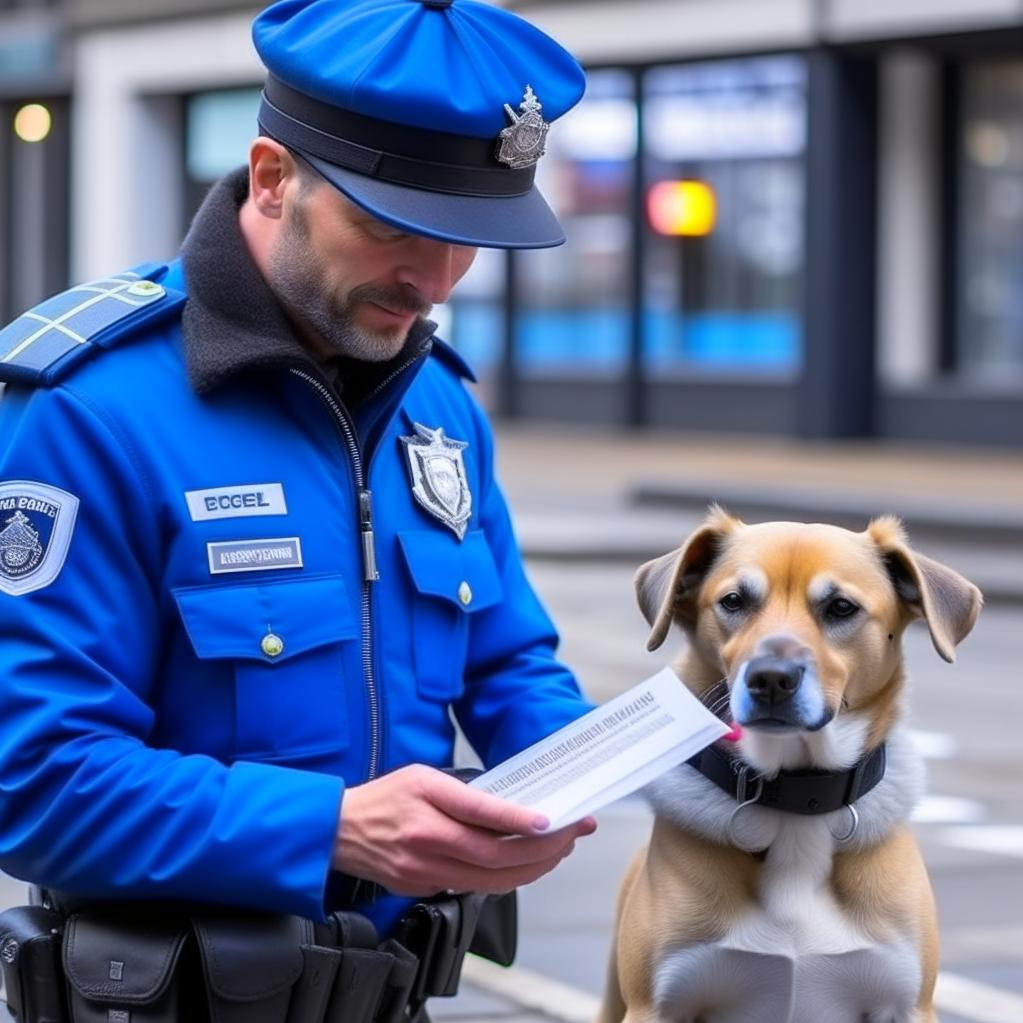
(369, 561)
(394, 374)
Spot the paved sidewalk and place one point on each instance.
(602, 495)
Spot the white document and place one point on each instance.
(608, 753)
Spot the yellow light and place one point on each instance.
(32, 123)
(687, 208)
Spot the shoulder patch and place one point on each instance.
(446, 354)
(42, 345)
(36, 524)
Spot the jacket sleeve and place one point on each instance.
(517, 691)
(86, 805)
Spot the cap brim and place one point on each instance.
(507, 222)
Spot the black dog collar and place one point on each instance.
(805, 792)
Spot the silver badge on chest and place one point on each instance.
(439, 482)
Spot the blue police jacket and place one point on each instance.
(224, 596)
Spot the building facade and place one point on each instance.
(800, 217)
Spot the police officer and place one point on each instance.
(252, 550)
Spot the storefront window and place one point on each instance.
(573, 309)
(219, 127)
(990, 322)
(724, 145)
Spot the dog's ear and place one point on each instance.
(947, 602)
(662, 583)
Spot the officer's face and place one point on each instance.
(358, 283)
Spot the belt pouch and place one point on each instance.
(353, 930)
(423, 931)
(251, 963)
(439, 933)
(361, 981)
(124, 969)
(311, 996)
(397, 994)
(497, 928)
(30, 956)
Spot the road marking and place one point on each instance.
(531, 990)
(978, 1003)
(948, 810)
(1002, 840)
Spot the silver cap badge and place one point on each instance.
(521, 144)
(439, 482)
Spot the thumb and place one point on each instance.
(482, 810)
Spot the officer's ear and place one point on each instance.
(272, 170)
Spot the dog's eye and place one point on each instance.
(732, 602)
(840, 607)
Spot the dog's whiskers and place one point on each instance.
(716, 699)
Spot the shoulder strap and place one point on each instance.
(43, 345)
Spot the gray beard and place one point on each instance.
(297, 284)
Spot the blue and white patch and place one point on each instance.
(254, 555)
(36, 525)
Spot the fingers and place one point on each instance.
(449, 874)
(479, 847)
(417, 831)
(471, 806)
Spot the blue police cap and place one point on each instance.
(429, 114)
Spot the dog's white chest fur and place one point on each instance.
(796, 956)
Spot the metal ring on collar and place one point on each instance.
(743, 801)
(853, 826)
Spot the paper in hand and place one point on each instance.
(608, 753)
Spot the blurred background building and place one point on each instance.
(794, 217)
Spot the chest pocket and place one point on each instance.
(453, 581)
(282, 646)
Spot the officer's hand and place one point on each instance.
(419, 831)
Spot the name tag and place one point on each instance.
(254, 555)
(236, 502)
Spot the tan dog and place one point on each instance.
(782, 883)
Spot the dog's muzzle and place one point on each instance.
(777, 691)
(772, 684)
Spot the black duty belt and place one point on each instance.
(122, 963)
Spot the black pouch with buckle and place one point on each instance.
(123, 968)
(250, 964)
(30, 938)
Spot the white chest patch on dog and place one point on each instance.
(796, 956)
(718, 984)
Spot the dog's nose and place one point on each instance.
(773, 680)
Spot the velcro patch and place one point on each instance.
(36, 525)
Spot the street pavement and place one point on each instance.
(591, 505)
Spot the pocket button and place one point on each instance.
(465, 594)
(272, 645)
